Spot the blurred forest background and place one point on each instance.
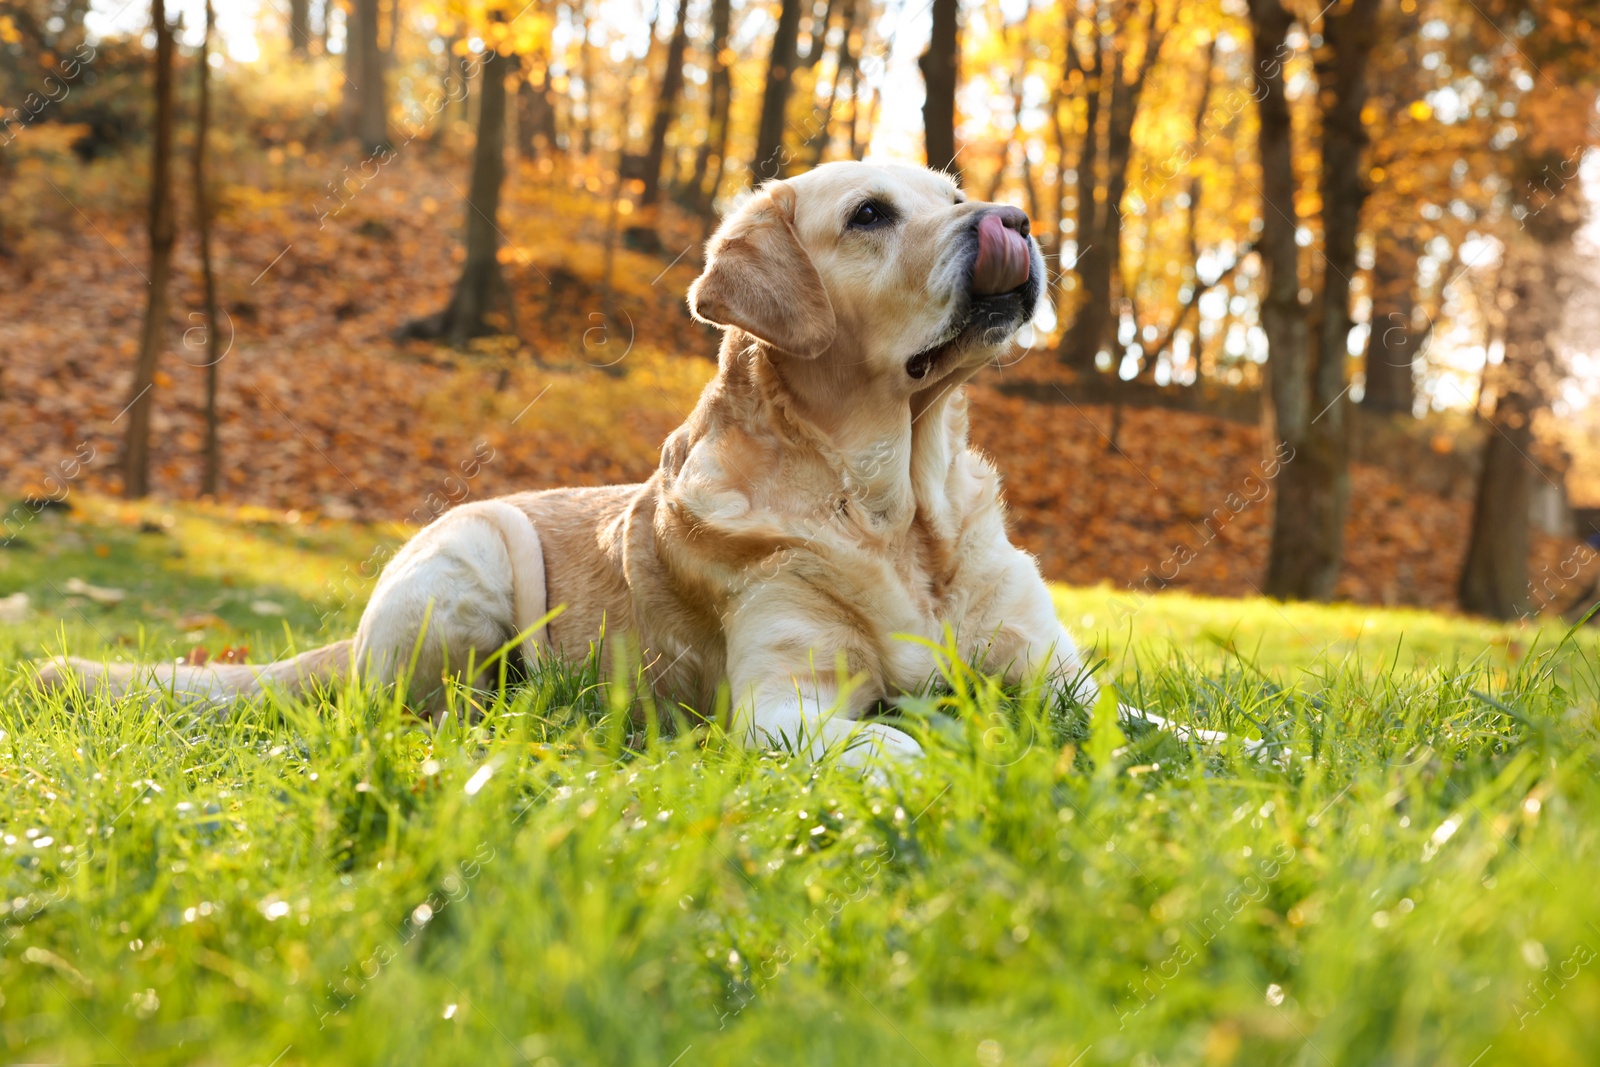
(1324, 309)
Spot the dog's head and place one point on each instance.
(887, 270)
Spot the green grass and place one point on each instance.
(1412, 881)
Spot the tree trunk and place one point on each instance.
(1309, 383)
(349, 94)
(666, 107)
(1119, 153)
(770, 159)
(858, 149)
(481, 282)
(374, 131)
(1392, 343)
(941, 65)
(136, 442)
(536, 117)
(1092, 308)
(211, 477)
(299, 27)
(1283, 317)
(716, 141)
(1003, 155)
(367, 106)
(586, 71)
(1494, 576)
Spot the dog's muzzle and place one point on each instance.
(1001, 292)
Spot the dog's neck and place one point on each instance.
(893, 455)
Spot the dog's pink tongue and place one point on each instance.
(1002, 258)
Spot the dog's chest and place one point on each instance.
(881, 568)
(926, 586)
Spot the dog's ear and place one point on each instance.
(758, 278)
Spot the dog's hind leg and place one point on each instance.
(453, 597)
(455, 594)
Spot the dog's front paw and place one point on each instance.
(873, 742)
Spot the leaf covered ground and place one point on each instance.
(1408, 879)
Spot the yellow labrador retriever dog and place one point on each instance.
(820, 505)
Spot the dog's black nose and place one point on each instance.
(1014, 219)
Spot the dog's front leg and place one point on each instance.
(1029, 638)
(790, 667)
(811, 718)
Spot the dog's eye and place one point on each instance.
(869, 215)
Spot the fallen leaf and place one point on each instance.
(104, 595)
(14, 608)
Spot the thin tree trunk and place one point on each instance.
(481, 282)
(1030, 188)
(1080, 344)
(1004, 154)
(1283, 318)
(1191, 227)
(299, 27)
(586, 71)
(1119, 154)
(163, 231)
(1058, 192)
(1314, 488)
(843, 67)
(1098, 266)
(1125, 96)
(211, 478)
(770, 159)
(857, 148)
(721, 84)
(666, 106)
(643, 67)
(1392, 344)
(1058, 189)
(536, 117)
(819, 37)
(863, 145)
(941, 64)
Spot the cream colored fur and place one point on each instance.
(819, 507)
